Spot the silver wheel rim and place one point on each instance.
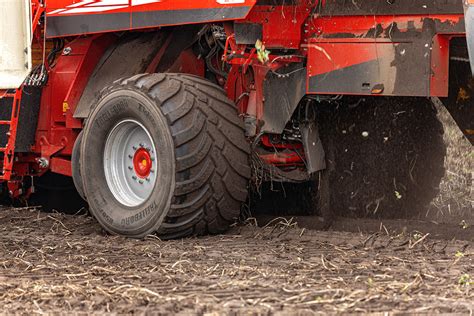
(129, 154)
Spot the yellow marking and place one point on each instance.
(463, 95)
(65, 107)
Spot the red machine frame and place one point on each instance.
(310, 37)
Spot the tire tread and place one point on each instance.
(212, 154)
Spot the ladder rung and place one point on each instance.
(8, 149)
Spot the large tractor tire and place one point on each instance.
(164, 153)
(388, 156)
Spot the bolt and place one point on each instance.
(134, 147)
(130, 156)
(142, 145)
(152, 158)
(147, 179)
(134, 177)
(141, 181)
(43, 162)
(152, 170)
(130, 168)
(67, 51)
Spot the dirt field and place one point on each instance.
(55, 262)
(455, 202)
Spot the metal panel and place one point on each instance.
(15, 42)
(381, 67)
(69, 17)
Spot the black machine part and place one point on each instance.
(27, 122)
(313, 148)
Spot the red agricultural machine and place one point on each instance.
(166, 113)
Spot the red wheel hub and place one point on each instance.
(142, 163)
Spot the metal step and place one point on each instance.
(8, 150)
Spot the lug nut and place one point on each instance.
(130, 168)
(134, 147)
(130, 156)
(134, 177)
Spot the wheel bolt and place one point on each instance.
(141, 181)
(130, 168)
(147, 179)
(134, 147)
(142, 145)
(130, 156)
(152, 158)
(152, 170)
(134, 177)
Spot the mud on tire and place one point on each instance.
(202, 156)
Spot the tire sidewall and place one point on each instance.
(118, 105)
(76, 166)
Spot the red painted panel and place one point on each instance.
(360, 25)
(330, 55)
(440, 66)
(281, 25)
(72, 7)
(61, 166)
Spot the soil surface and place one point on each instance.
(61, 263)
